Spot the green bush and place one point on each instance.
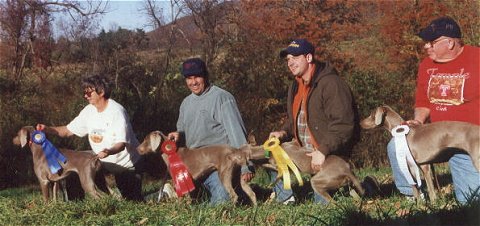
(371, 90)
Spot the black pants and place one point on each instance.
(129, 181)
(130, 185)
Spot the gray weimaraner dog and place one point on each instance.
(84, 163)
(203, 161)
(334, 174)
(430, 143)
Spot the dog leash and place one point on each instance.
(52, 154)
(178, 171)
(283, 162)
(404, 156)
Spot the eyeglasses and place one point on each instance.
(432, 43)
(88, 92)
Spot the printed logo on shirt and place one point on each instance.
(96, 136)
(446, 88)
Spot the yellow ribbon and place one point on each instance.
(283, 162)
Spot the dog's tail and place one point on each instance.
(253, 152)
(95, 163)
(103, 188)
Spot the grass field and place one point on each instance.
(24, 206)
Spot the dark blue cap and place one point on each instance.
(194, 66)
(298, 47)
(443, 26)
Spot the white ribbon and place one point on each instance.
(404, 156)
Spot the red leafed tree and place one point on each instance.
(373, 44)
(399, 23)
(251, 66)
(327, 24)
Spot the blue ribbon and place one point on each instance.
(51, 153)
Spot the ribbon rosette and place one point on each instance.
(283, 162)
(178, 171)
(404, 156)
(52, 154)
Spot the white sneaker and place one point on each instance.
(168, 191)
(290, 200)
(412, 198)
(354, 194)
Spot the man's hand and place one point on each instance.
(317, 159)
(413, 122)
(278, 134)
(247, 176)
(103, 153)
(175, 136)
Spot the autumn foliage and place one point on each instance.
(373, 45)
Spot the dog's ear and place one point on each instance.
(155, 139)
(379, 113)
(22, 136)
(162, 135)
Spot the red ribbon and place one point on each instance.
(179, 172)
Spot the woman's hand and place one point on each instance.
(103, 154)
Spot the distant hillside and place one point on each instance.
(185, 36)
(214, 19)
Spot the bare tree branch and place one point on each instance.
(155, 13)
(18, 24)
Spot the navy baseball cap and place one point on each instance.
(443, 26)
(298, 47)
(194, 66)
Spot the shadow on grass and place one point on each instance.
(302, 193)
(458, 215)
(388, 189)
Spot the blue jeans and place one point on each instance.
(218, 193)
(465, 177)
(282, 194)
